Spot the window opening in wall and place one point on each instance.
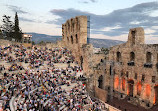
(143, 77)
(132, 56)
(121, 73)
(135, 77)
(76, 38)
(71, 39)
(148, 57)
(100, 82)
(127, 74)
(133, 37)
(153, 79)
(118, 57)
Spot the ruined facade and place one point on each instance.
(74, 35)
(131, 71)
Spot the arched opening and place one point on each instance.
(81, 60)
(76, 39)
(148, 91)
(100, 82)
(116, 83)
(148, 57)
(130, 87)
(71, 39)
(76, 23)
(123, 84)
(139, 88)
(132, 56)
(156, 95)
(133, 36)
(118, 57)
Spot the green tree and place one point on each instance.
(7, 27)
(1, 36)
(17, 31)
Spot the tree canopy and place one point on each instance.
(11, 30)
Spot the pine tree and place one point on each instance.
(7, 28)
(17, 31)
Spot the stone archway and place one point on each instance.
(130, 87)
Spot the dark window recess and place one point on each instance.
(131, 63)
(118, 57)
(157, 65)
(143, 77)
(153, 79)
(148, 65)
(132, 56)
(121, 73)
(135, 77)
(127, 74)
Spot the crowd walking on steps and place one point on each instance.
(42, 79)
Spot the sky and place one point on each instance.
(109, 19)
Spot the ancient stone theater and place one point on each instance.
(129, 71)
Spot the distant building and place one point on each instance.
(27, 38)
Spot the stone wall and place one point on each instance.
(135, 69)
(74, 35)
(101, 94)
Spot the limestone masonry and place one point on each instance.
(131, 70)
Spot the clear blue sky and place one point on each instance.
(110, 19)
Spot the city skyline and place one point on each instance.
(109, 19)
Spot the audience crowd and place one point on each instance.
(35, 79)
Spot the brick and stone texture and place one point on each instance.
(131, 71)
(74, 37)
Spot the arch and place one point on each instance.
(76, 39)
(148, 91)
(123, 83)
(76, 23)
(71, 39)
(130, 87)
(148, 57)
(100, 82)
(139, 88)
(118, 57)
(133, 36)
(116, 82)
(132, 56)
